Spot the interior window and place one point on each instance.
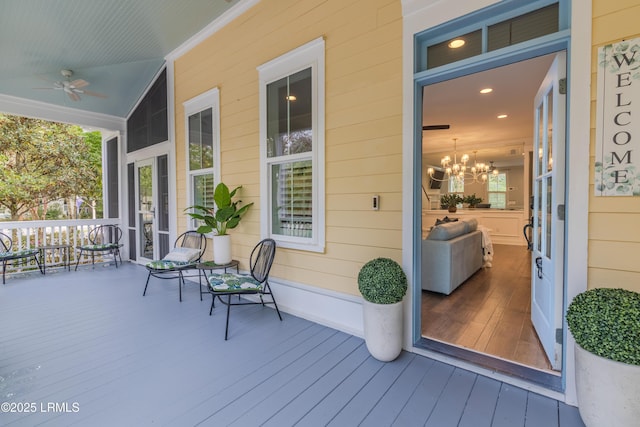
(497, 190)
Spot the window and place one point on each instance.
(292, 148)
(202, 124)
(456, 185)
(497, 190)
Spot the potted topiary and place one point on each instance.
(383, 285)
(450, 201)
(605, 323)
(227, 216)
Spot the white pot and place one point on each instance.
(607, 391)
(383, 329)
(222, 249)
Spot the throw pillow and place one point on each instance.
(182, 255)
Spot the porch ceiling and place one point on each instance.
(117, 46)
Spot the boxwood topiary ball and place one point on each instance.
(382, 281)
(606, 322)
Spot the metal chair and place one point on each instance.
(188, 250)
(230, 284)
(7, 254)
(102, 239)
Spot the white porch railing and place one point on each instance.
(58, 233)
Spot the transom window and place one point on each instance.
(292, 148)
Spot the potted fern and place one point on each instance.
(383, 286)
(226, 216)
(605, 323)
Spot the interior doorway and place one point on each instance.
(488, 318)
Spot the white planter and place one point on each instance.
(222, 249)
(383, 329)
(607, 391)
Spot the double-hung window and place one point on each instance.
(292, 148)
(202, 126)
(497, 190)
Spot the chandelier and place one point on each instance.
(455, 170)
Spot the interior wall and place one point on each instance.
(614, 231)
(363, 126)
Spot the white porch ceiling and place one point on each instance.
(118, 46)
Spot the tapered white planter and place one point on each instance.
(608, 391)
(222, 249)
(383, 329)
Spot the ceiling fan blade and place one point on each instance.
(435, 127)
(92, 93)
(74, 96)
(79, 83)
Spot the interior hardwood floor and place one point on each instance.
(490, 312)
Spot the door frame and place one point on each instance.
(421, 16)
(153, 152)
(153, 162)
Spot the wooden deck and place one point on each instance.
(86, 348)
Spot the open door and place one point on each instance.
(548, 211)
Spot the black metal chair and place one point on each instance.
(103, 239)
(7, 254)
(188, 250)
(230, 284)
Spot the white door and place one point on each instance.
(146, 209)
(548, 211)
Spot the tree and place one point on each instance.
(41, 161)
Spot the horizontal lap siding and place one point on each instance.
(614, 222)
(363, 119)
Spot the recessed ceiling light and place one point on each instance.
(502, 116)
(486, 90)
(454, 44)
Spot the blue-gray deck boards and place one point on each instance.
(89, 338)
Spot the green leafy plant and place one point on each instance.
(472, 200)
(450, 200)
(382, 281)
(225, 217)
(606, 322)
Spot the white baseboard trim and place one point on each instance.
(329, 308)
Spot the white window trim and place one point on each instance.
(308, 55)
(506, 199)
(208, 99)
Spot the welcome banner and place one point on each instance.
(617, 166)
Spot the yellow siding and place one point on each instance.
(614, 222)
(363, 135)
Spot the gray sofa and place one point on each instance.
(451, 253)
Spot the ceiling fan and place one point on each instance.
(73, 88)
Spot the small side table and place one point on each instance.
(210, 265)
(64, 255)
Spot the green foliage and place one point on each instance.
(382, 281)
(227, 215)
(472, 200)
(450, 200)
(606, 322)
(42, 161)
